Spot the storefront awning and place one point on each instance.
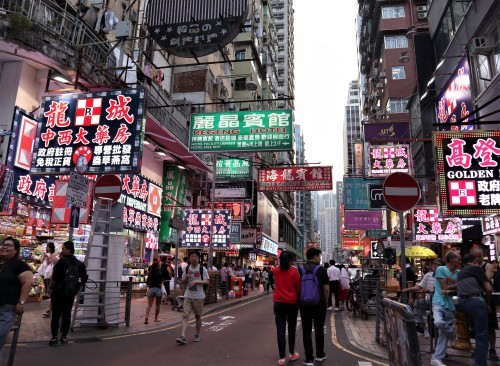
(172, 145)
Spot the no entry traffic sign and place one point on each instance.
(401, 191)
(108, 186)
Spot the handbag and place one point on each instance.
(48, 271)
(163, 291)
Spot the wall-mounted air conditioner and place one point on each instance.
(380, 86)
(421, 8)
(422, 15)
(382, 75)
(480, 46)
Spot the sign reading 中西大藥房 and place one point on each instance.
(468, 172)
(384, 160)
(267, 130)
(430, 227)
(198, 223)
(233, 168)
(100, 130)
(295, 179)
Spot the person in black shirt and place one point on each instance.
(154, 282)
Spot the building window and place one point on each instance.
(239, 84)
(240, 55)
(398, 73)
(391, 12)
(395, 42)
(486, 63)
(397, 105)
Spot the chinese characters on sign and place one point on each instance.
(102, 131)
(385, 160)
(359, 195)
(491, 224)
(233, 168)
(350, 243)
(429, 227)
(236, 209)
(295, 179)
(269, 246)
(174, 195)
(468, 171)
(198, 223)
(241, 131)
(362, 220)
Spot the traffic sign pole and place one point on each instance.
(404, 297)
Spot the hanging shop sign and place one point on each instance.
(236, 208)
(198, 223)
(430, 227)
(174, 195)
(267, 217)
(249, 237)
(61, 209)
(363, 220)
(269, 246)
(351, 243)
(233, 168)
(230, 190)
(454, 102)
(377, 249)
(361, 194)
(376, 233)
(386, 131)
(102, 131)
(491, 224)
(295, 179)
(267, 130)
(468, 172)
(142, 200)
(236, 233)
(384, 160)
(376, 195)
(233, 251)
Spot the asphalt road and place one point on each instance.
(242, 335)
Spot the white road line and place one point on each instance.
(364, 363)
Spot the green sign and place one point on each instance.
(241, 131)
(377, 233)
(232, 168)
(174, 195)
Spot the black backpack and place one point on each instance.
(71, 280)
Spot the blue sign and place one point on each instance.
(356, 193)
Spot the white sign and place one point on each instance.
(76, 198)
(230, 192)
(78, 182)
(269, 246)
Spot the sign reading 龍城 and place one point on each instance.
(385, 160)
(198, 223)
(100, 131)
(430, 227)
(233, 168)
(468, 171)
(295, 179)
(267, 130)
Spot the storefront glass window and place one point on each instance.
(459, 8)
(444, 34)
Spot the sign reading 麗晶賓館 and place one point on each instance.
(468, 172)
(102, 131)
(267, 130)
(295, 179)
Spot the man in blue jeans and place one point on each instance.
(443, 309)
(474, 295)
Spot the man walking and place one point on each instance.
(68, 276)
(313, 302)
(193, 279)
(333, 281)
(474, 295)
(443, 308)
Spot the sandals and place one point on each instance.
(46, 314)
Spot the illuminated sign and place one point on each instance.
(384, 160)
(491, 224)
(174, 193)
(233, 168)
(351, 243)
(386, 131)
(236, 208)
(102, 131)
(454, 102)
(198, 223)
(269, 246)
(295, 179)
(362, 220)
(430, 227)
(266, 130)
(468, 172)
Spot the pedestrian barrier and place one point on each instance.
(15, 328)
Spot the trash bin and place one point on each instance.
(237, 283)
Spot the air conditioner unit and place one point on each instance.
(382, 75)
(422, 15)
(380, 86)
(480, 45)
(422, 8)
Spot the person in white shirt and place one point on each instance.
(333, 281)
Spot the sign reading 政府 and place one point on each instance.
(384, 160)
(363, 220)
(295, 179)
(233, 168)
(198, 223)
(267, 130)
(454, 102)
(429, 227)
(468, 172)
(100, 130)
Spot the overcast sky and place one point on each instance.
(325, 63)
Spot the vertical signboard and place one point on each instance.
(174, 191)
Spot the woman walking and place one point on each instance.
(344, 286)
(50, 258)
(154, 282)
(286, 305)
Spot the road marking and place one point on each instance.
(338, 345)
(363, 363)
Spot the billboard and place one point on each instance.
(386, 131)
(362, 194)
(198, 223)
(468, 172)
(385, 159)
(233, 168)
(430, 227)
(363, 220)
(266, 130)
(268, 217)
(100, 131)
(295, 179)
(454, 102)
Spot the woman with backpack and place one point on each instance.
(286, 305)
(154, 283)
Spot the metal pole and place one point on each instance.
(71, 230)
(403, 255)
(176, 269)
(211, 245)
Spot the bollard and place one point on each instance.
(463, 339)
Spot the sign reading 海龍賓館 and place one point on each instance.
(295, 179)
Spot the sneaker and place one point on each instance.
(322, 358)
(64, 341)
(329, 308)
(53, 342)
(492, 353)
(308, 363)
(293, 357)
(436, 362)
(336, 309)
(181, 340)
(282, 362)
(197, 338)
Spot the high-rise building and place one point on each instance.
(327, 217)
(352, 132)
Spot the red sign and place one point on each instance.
(295, 179)
(61, 210)
(236, 209)
(401, 191)
(108, 186)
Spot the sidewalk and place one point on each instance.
(35, 328)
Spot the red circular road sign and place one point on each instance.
(108, 186)
(401, 191)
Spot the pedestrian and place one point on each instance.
(153, 292)
(345, 280)
(313, 303)
(195, 277)
(474, 295)
(249, 279)
(333, 283)
(286, 305)
(50, 258)
(270, 283)
(68, 277)
(443, 309)
(16, 279)
(265, 279)
(256, 279)
(224, 278)
(165, 275)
